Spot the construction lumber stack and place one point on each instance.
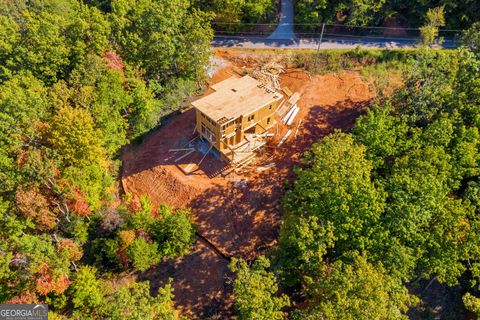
(292, 116)
(289, 114)
(290, 108)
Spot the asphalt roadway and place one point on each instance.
(284, 37)
(330, 42)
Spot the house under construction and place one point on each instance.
(236, 116)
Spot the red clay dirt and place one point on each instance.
(239, 215)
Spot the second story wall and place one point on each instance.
(232, 133)
(207, 128)
(263, 118)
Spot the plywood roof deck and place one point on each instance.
(235, 97)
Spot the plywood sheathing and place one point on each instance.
(235, 97)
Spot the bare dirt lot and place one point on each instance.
(239, 215)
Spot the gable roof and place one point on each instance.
(235, 97)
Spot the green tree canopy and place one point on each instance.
(407, 13)
(338, 191)
(255, 291)
(86, 290)
(355, 290)
(166, 38)
(74, 136)
(400, 191)
(471, 37)
(134, 301)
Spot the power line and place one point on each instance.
(306, 34)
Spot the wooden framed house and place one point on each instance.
(236, 116)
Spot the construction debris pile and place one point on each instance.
(267, 74)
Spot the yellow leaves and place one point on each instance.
(71, 250)
(435, 19)
(60, 93)
(126, 237)
(471, 303)
(76, 139)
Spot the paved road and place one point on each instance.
(284, 28)
(327, 43)
(284, 37)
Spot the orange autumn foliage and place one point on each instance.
(79, 205)
(46, 281)
(113, 60)
(24, 298)
(34, 205)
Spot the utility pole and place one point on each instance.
(319, 43)
(321, 37)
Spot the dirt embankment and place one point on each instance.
(239, 214)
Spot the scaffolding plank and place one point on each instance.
(180, 149)
(189, 168)
(289, 114)
(285, 137)
(293, 115)
(205, 155)
(266, 167)
(294, 98)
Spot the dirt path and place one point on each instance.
(239, 215)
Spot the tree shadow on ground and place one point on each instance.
(439, 301)
(241, 218)
(200, 281)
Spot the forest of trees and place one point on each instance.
(404, 13)
(239, 11)
(390, 13)
(76, 84)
